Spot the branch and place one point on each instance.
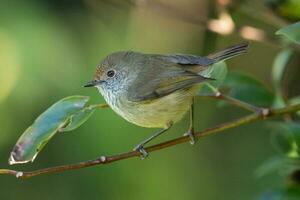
(264, 114)
(233, 101)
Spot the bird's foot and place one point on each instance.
(140, 148)
(193, 139)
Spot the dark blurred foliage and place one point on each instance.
(49, 49)
(288, 9)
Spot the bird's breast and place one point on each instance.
(156, 113)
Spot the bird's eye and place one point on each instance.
(111, 73)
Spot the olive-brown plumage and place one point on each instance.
(152, 90)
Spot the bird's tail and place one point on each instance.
(229, 52)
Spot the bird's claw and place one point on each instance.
(140, 148)
(193, 139)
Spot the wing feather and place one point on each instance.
(184, 59)
(160, 76)
(166, 86)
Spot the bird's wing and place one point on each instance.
(190, 63)
(162, 86)
(225, 54)
(184, 59)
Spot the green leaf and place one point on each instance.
(279, 65)
(245, 88)
(283, 141)
(295, 100)
(270, 166)
(218, 72)
(286, 138)
(65, 113)
(78, 119)
(279, 164)
(288, 9)
(291, 32)
(294, 129)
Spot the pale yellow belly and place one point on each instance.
(160, 112)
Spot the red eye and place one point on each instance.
(111, 73)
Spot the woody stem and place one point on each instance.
(109, 159)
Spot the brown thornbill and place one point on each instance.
(152, 90)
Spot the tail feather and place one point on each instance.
(229, 52)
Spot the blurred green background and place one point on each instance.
(50, 48)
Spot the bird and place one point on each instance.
(154, 90)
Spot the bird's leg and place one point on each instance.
(140, 146)
(191, 130)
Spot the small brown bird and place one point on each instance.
(152, 90)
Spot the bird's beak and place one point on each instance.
(93, 83)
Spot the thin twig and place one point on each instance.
(105, 160)
(234, 101)
(216, 94)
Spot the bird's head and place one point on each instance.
(112, 74)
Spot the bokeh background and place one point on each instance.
(49, 49)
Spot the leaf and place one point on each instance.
(67, 113)
(294, 129)
(283, 141)
(78, 119)
(291, 32)
(274, 165)
(245, 88)
(295, 100)
(288, 9)
(286, 138)
(218, 72)
(279, 65)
